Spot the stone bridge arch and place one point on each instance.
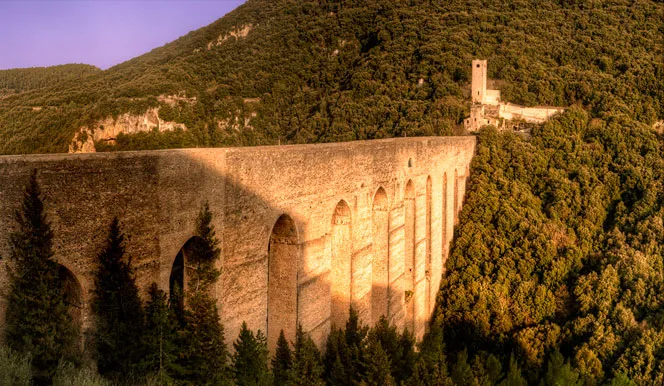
(380, 217)
(341, 244)
(181, 269)
(410, 215)
(282, 281)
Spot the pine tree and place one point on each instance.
(307, 365)
(344, 354)
(559, 372)
(431, 364)
(462, 373)
(514, 377)
(378, 367)
(117, 308)
(38, 320)
(204, 357)
(282, 361)
(159, 338)
(250, 358)
(400, 348)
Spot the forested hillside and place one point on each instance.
(24, 79)
(316, 71)
(560, 248)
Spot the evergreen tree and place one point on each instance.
(282, 361)
(204, 357)
(307, 365)
(559, 372)
(462, 373)
(159, 338)
(431, 364)
(117, 308)
(400, 348)
(250, 358)
(344, 354)
(514, 377)
(38, 320)
(621, 380)
(378, 367)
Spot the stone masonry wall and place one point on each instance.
(157, 195)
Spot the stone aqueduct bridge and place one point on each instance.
(305, 230)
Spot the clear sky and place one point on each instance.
(36, 33)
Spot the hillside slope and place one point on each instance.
(24, 79)
(315, 71)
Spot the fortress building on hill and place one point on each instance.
(488, 109)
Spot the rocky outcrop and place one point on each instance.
(108, 129)
(239, 32)
(659, 127)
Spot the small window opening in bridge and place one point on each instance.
(73, 295)
(283, 255)
(478, 66)
(410, 162)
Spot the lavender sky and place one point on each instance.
(35, 33)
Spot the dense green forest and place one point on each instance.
(25, 79)
(325, 70)
(560, 248)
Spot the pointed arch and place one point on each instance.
(456, 197)
(177, 281)
(73, 294)
(380, 247)
(444, 216)
(283, 256)
(409, 255)
(340, 260)
(427, 261)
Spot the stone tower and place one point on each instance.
(478, 87)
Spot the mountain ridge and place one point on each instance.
(326, 71)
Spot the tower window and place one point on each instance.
(478, 66)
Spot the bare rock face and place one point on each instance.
(240, 32)
(108, 129)
(659, 127)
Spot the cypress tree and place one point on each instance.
(282, 361)
(38, 320)
(378, 367)
(204, 358)
(307, 365)
(117, 308)
(159, 338)
(250, 358)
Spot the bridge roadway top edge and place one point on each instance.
(350, 145)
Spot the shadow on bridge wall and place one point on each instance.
(306, 231)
